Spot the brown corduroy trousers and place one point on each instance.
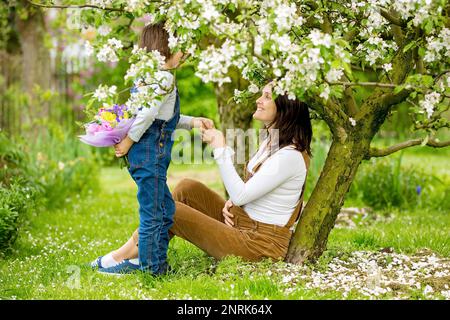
(198, 219)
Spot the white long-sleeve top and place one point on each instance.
(273, 192)
(163, 110)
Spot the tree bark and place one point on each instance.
(319, 215)
(349, 147)
(35, 58)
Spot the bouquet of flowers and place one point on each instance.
(112, 121)
(109, 127)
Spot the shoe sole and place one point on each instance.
(113, 274)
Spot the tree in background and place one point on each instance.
(35, 81)
(22, 40)
(353, 62)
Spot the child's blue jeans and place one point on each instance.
(149, 160)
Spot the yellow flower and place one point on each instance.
(108, 116)
(125, 115)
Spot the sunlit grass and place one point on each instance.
(48, 260)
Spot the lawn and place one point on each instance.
(382, 255)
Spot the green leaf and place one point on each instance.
(336, 64)
(409, 46)
(399, 88)
(428, 27)
(422, 51)
(348, 71)
(427, 80)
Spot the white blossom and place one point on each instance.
(387, 67)
(101, 3)
(209, 11)
(319, 38)
(108, 52)
(325, 93)
(334, 75)
(253, 88)
(104, 92)
(301, 59)
(88, 49)
(428, 290)
(104, 30)
(134, 5)
(438, 46)
(429, 103)
(285, 15)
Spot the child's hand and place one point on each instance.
(202, 123)
(123, 147)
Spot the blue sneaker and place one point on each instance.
(125, 267)
(165, 269)
(96, 264)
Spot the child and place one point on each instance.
(148, 145)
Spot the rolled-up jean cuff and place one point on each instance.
(136, 237)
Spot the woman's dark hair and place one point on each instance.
(293, 123)
(155, 37)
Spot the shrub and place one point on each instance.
(62, 165)
(43, 173)
(17, 190)
(385, 183)
(15, 201)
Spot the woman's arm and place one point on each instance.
(281, 166)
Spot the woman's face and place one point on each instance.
(266, 108)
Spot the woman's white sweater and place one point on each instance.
(273, 192)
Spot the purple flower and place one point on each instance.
(419, 190)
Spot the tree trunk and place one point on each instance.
(235, 116)
(35, 60)
(320, 213)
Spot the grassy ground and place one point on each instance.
(48, 258)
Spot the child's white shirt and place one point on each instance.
(163, 109)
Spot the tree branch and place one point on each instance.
(363, 84)
(374, 152)
(350, 101)
(81, 6)
(392, 18)
(350, 35)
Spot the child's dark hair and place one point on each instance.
(155, 37)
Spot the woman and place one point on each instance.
(256, 222)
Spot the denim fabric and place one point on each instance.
(149, 160)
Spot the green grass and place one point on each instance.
(405, 232)
(47, 260)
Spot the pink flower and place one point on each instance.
(93, 128)
(106, 126)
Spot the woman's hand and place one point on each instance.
(123, 147)
(227, 214)
(202, 123)
(214, 138)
